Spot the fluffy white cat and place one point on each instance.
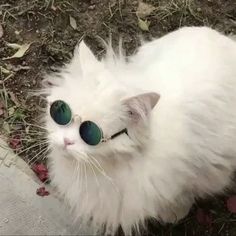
(177, 99)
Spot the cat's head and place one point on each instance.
(94, 93)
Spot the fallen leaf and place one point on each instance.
(15, 142)
(144, 9)
(203, 217)
(73, 23)
(13, 45)
(4, 70)
(11, 111)
(143, 25)
(41, 171)
(42, 192)
(231, 204)
(20, 52)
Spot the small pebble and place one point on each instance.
(92, 7)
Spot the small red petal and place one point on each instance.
(38, 168)
(41, 171)
(203, 217)
(42, 192)
(43, 177)
(231, 204)
(15, 142)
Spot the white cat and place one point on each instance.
(177, 100)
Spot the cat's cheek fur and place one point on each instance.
(182, 149)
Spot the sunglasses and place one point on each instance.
(89, 131)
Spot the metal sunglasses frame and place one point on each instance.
(75, 117)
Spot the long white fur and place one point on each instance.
(182, 149)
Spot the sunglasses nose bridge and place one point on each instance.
(77, 118)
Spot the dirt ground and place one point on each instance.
(44, 34)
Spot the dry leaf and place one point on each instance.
(143, 25)
(11, 111)
(1, 31)
(144, 9)
(21, 51)
(13, 45)
(4, 70)
(73, 23)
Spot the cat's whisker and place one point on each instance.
(32, 146)
(34, 159)
(80, 177)
(104, 174)
(38, 126)
(101, 168)
(17, 131)
(28, 124)
(98, 163)
(96, 179)
(86, 182)
(76, 171)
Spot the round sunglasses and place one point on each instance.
(89, 131)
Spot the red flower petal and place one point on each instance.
(41, 171)
(231, 204)
(42, 192)
(43, 177)
(15, 142)
(203, 217)
(38, 168)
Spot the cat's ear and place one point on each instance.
(87, 59)
(139, 107)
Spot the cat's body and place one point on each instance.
(184, 148)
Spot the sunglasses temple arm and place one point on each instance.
(123, 131)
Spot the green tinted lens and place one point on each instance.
(60, 112)
(90, 133)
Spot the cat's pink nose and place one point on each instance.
(68, 142)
